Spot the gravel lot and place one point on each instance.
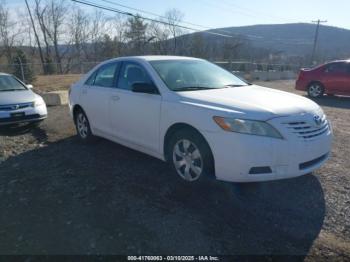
(58, 196)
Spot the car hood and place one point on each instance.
(17, 97)
(254, 102)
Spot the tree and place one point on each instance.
(7, 32)
(96, 33)
(230, 48)
(40, 11)
(197, 45)
(174, 18)
(55, 21)
(78, 30)
(36, 36)
(108, 47)
(21, 68)
(136, 34)
(160, 34)
(119, 27)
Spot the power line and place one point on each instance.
(318, 22)
(160, 16)
(147, 18)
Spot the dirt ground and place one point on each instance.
(44, 83)
(58, 196)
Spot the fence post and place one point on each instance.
(22, 71)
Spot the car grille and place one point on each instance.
(305, 130)
(14, 107)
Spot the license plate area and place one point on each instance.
(17, 115)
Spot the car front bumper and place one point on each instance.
(26, 115)
(248, 158)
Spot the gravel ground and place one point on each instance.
(59, 196)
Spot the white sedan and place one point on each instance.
(18, 103)
(201, 118)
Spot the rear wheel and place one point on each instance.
(315, 90)
(83, 126)
(190, 156)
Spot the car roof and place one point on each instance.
(4, 74)
(152, 58)
(340, 61)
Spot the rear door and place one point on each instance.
(95, 96)
(336, 77)
(135, 116)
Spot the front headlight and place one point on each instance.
(251, 127)
(39, 102)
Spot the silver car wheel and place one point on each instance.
(82, 125)
(315, 90)
(187, 160)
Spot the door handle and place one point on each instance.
(115, 98)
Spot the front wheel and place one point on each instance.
(190, 156)
(315, 90)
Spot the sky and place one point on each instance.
(227, 13)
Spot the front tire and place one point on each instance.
(315, 90)
(190, 156)
(83, 127)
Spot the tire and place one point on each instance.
(82, 126)
(189, 156)
(315, 90)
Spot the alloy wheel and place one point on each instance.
(187, 160)
(315, 90)
(82, 125)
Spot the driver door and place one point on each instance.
(336, 77)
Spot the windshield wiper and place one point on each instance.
(234, 85)
(190, 88)
(6, 90)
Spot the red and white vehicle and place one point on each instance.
(332, 79)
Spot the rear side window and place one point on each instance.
(337, 68)
(105, 76)
(132, 73)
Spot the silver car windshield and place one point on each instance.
(9, 83)
(188, 75)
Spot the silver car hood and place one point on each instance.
(17, 97)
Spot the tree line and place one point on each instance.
(59, 34)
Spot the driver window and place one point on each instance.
(132, 73)
(337, 68)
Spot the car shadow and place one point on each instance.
(71, 198)
(16, 130)
(342, 102)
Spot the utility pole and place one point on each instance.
(318, 22)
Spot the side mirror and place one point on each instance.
(29, 86)
(146, 88)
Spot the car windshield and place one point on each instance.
(188, 75)
(9, 83)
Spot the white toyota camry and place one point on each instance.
(201, 118)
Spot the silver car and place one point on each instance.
(18, 103)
